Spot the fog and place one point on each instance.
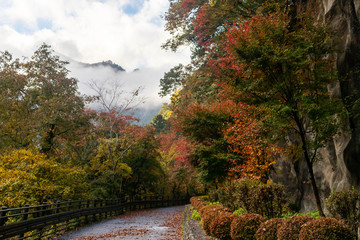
(147, 79)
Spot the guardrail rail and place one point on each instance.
(49, 220)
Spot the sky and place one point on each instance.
(127, 32)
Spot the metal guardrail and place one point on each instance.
(47, 221)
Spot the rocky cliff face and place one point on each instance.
(340, 164)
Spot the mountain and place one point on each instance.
(109, 63)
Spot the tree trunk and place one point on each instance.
(302, 134)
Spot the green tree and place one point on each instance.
(172, 80)
(159, 123)
(144, 160)
(106, 173)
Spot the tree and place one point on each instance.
(113, 125)
(172, 80)
(286, 70)
(159, 123)
(56, 104)
(204, 125)
(106, 173)
(144, 160)
(246, 138)
(15, 114)
(29, 177)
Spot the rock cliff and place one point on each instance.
(340, 164)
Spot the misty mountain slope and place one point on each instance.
(108, 63)
(106, 72)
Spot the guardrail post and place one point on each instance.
(94, 215)
(101, 206)
(107, 203)
(3, 219)
(57, 210)
(119, 208)
(26, 212)
(87, 208)
(57, 207)
(43, 209)
(130, 201)
(25, 216)
(69, 203)
(79, 207)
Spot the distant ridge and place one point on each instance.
(109, 63)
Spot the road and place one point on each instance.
(152, 224)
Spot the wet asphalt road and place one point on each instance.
(152, 224)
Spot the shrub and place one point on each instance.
(208, 213)
(245, 226)
(345, 205)
(254, 196)
(220, 226)
(290, 228)
(197, 203)
(326, 229)
(268, 229)
(268, 200)
(213, 207)
(227, 195)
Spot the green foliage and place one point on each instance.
(106, 170)
(326, 229)
(143, 159)
(345, 205)
(172, 80)
(204, 126)
(159, 123)
(268, 229)
(239, 211)
(245, 226)
(196, 215)
(314, 214)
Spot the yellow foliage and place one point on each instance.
(109, 158)
(175, 97)
(31, 178)
(212, 2)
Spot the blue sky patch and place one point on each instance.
(44, 23)
(22, 28)
(134, 7)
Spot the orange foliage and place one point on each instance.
(246, 138)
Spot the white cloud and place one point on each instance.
(90, 31)
(128, 32)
